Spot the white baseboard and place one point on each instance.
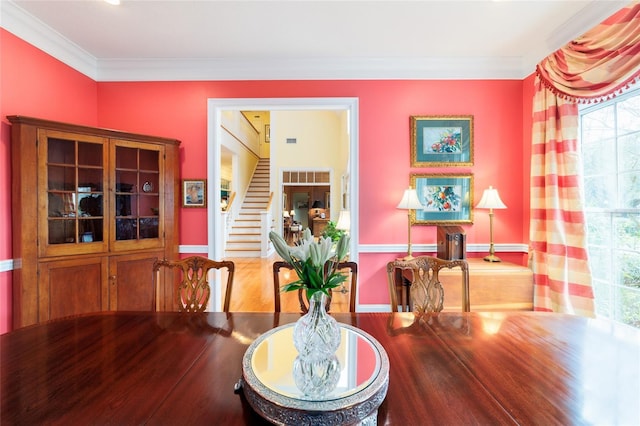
(373, 308)
(432, 248)
(6, 265)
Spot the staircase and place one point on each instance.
(244, 235)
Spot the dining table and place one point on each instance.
(450, 368)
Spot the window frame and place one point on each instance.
(609, 285)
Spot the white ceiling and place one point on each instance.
(296, 39)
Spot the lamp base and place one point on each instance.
(492, 258)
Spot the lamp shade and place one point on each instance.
(317, 204)
(285, 213)
(292, 212)
(490, 200)
(344, 220)
(409, 200)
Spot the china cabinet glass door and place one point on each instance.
(73, 178)
(138, 197)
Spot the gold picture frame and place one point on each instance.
(447, 198)
(194, 193)
(441, 140)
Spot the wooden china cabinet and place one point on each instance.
(92, 209)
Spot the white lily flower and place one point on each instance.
(300, 252)
(282, 248)
(326, 253)
(306, 235)
(343, 246)
(314, 252)
(323, 259)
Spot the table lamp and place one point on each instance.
(409, 202)
(317, 204)
(344, 221)
(491, 200)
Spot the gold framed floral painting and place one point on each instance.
(447, 198)
(441, 140)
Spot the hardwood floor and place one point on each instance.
(253, 288)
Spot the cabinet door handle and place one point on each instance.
(112, 277)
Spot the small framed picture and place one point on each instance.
(267, 133)
(441, 141)
(447, 199)
(194, 193)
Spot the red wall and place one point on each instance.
(178, 109)
(34, 84)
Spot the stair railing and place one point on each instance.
(230, 200)
(227, 219)
(269, 202)
(266, 223)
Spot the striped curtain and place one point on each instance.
(594, 67)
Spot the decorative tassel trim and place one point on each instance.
(589, 99)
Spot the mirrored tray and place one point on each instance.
(269, 385)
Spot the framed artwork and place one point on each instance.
(194, 193)
(447, 198)
(442, 140)
(267, 133)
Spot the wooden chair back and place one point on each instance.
(350, 268)
(193, 291)
(414, 285)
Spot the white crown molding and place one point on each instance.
(22, 24)
(17, 21)
(433, 68)
(310, 69)
(25, 26)
(588, 17)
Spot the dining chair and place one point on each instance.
(193, 291)
(349, 268)
(414, 284)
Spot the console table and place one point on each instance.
(493, 286)
(319, 224)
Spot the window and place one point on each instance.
(610, 143)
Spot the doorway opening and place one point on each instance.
(215, 149)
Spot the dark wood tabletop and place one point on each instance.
(447, 369)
